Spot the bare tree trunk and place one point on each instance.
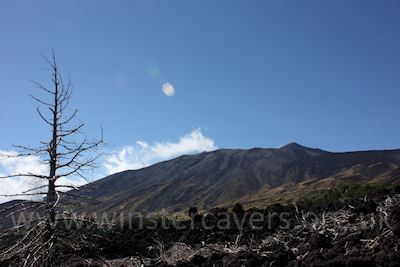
(51, 194)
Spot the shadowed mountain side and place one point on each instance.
(223, 177)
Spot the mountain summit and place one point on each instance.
(294, 146)
(224, 177)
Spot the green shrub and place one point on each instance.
(341, 192)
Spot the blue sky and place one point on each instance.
(245, 73)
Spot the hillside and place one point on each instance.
(254, 177)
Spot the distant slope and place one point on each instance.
(253, 177)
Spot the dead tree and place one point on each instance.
(64, 155)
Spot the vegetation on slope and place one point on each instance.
(339, 193)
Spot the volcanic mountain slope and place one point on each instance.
(253, 177)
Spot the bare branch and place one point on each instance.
(68, 186)
(20, 155)
(35, 188)
(44, 88)
(40, 101)
(26, 148)
(35, 205)
(48, 61)
(69, 119)
(77, 196)
(22, 204)
(65, 133)
(24, 194)
(79, 167)
(43, 118)
(25, 175)
(20, 242)
(79, 150)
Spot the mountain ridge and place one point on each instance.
(256, 176)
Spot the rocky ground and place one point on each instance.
(357, 232)
(361, 231)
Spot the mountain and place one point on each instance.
(253, 177)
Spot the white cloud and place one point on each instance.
(192, 142)
(168, 89)
(19, 165)
(143, 154)
(13, 165)
(12, 186)
(125, 159)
